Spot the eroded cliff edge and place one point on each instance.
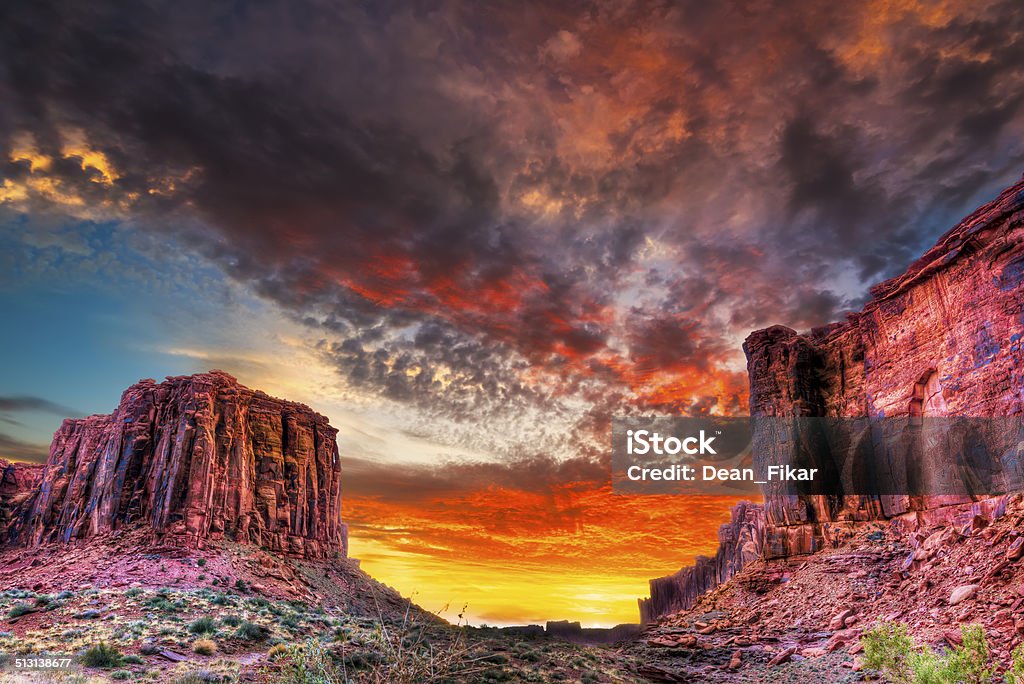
(943, 338)
(193, 459)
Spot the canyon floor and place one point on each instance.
(231, 614)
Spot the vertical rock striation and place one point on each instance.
(193, 459)
(739, 542)
(944, 338)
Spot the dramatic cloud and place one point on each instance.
(525, 217)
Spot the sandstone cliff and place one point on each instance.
(739, 542)
(942, 339)
(191, 460)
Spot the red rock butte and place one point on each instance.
(191, 460)
(942, 339)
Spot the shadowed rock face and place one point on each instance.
(194, 458)
(739, 542)
(17, 483)
(943, 338)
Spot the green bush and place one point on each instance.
(890, 650)
(121, 674)
(231, 620)
(101, 655)
(310, 663)
(19, 609)
(203, 625)
(250, 631)
(1015, 675)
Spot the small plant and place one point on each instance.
(121, 674)
(204, 647)
(241, 586)
(132, 659)
(19, 609)
(1015, 675)
(197, 677)
(201, 562)
(101, 655)
(276, 650)
(888, 649)
(221, 599)
(231, 620)
(203, 625)
(250, 631)
(309, 663)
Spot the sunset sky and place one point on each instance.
(470, 233)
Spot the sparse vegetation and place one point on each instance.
(250, 631)
(101, 655)
(891, 651)
(19, 609)
(203, 625)
(204, 647)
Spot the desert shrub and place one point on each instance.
(19, 609)
(203, 625)
(201, 562)
(309, 663)
(133, 592)
(250, 631)
(221, 600)
(197, 677)
(277, 650)
(132, 659)
(890, 650)
(1015, 674)
(121, 674)
(241, 586)
(90, 614)
(231, 620)
(101, 655)
(204, 647)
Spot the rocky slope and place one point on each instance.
(191, 460)
(800, 618)
(942, 339)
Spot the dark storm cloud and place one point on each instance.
(487, 209)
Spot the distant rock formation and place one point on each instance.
(193, 459)
(739, 542)
(574, 632)
(944, 338)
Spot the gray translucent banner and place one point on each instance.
(962, 457)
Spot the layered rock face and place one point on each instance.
(942, 339)
(193, 459)
(739, 542)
